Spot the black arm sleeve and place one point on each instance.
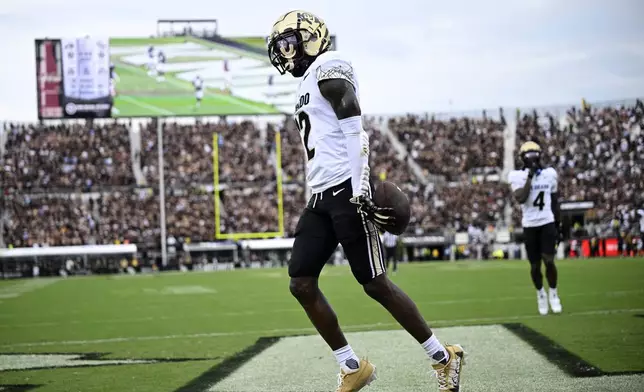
(341, 96)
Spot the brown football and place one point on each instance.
(388, 194)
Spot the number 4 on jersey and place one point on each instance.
(304, 125)
(538, 202)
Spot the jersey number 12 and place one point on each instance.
(304, 125)
(538, 202)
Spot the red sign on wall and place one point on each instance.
(610, 247)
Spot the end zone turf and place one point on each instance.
(496, 360)
(221, 331)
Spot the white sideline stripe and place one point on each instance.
(149, 318)
(272, 332)
(145, 105)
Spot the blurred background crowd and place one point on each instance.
(98, 183)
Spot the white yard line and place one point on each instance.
(142, 104)
(229, 98)
(292, 331)
(247, 313)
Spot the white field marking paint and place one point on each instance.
(16, 290)
(147, 319)
(128, 276)
(281, 310)
(145, 105)
(291, 331)
(495, 360)
(180, 290)
(34, 361)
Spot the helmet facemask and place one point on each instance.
(531, 159)
(287, 53)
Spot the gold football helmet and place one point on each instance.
(297, 38)
(530, 153)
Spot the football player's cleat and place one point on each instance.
(555, 302)
(449, 374)
(355, 381)
(542, 303)
(296, 39)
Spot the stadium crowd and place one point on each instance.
(598, 152)
(188, 154)
(452, 147)
(70, 157)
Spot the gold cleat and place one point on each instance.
(355, 381)
(449, 375)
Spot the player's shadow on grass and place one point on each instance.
(228, 366)
(570, 363)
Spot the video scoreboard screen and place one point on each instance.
(73, 78)
(190, 73)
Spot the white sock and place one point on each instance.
(435, 350)
(553, 292)
(347, 359)
(542, 292)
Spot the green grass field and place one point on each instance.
(139, 94)
(230, 331)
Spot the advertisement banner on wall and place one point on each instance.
(73, 78)
(607, 247)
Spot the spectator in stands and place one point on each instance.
(451, 148)
(70, 157)
(597, 151)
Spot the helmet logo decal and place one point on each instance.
(287, 49)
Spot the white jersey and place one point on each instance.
(389, 240)
(324, 142)
(537, 210)
(198, 84)
(640, 212)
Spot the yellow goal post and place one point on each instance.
(280, 196)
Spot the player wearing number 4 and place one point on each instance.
(536, 189)
(341, 210)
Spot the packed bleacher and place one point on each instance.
(69, 157)
(458, 206)
(75, 184)
(73, 219)
(188, 154)
(598, 153)
(451, 147)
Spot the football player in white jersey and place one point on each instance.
(340, 210)
(198, 85)
(536, 189)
